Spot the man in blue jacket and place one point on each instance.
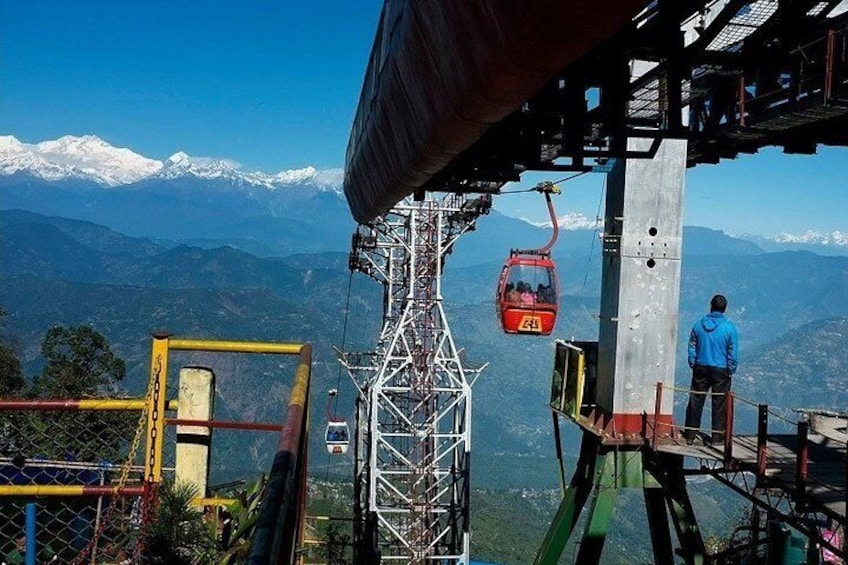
(713, 357)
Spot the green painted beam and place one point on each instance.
(658, 525)
(560, 530)
(603, 502)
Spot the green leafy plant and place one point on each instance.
(78, 363)
(243, 515)
(336, 547)
(178, 533)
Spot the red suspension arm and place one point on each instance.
(546, 189)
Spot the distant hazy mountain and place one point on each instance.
(97, 237)
(821, 243)
(182, 199)
(806, 367)
(496, 234)
(300, 218)
(70, 272)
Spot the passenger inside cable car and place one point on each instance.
(527, 295)
(337, 437)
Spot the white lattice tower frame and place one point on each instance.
(415, 420)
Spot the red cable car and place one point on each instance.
(527, 294)
(527, 288)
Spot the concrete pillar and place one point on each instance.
(196, 402)
(643, 233)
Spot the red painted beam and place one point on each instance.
(762, 442)
(225, 424)
(801, 465)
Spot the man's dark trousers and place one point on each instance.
(703, 379)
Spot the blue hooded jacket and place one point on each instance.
(714, 343)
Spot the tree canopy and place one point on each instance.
(78, 363)
(11, 372)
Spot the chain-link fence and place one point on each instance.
(71, 462)
(81, 481)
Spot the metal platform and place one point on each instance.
(824, 487)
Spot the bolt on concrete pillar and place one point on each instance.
(196, 402)
(642, 248)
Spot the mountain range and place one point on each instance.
(89, 158)
(64, 271)
(220, 256)
(208, 202)
(186, 236)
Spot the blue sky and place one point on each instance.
(274, 85)
(764, 194)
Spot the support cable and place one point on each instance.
(344, 340)
(339, 374)
(597, 230)
(536, 188)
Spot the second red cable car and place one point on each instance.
(527, 288)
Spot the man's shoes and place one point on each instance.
(696, 440)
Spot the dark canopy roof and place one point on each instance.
(441, 73)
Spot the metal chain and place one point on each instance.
(125, 471)
(149, 497)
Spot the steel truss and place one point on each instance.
(777, 502)
(414, 407)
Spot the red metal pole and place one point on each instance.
(554, 222)
(112, 491)
(275, 537)
(657, 409)
(301, 517)
(762, 442)
(801, 465)
(828, 74)
(728, 430)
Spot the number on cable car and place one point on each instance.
(527, 294)
(337, 437)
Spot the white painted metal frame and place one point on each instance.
(414, 455)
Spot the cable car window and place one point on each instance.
(337, 434)
(530, 284)
(546, 291)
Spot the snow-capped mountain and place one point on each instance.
(87, 157)
(811, 237)
(833, 243)
(90, 158)
(181, 165)
(571, 221)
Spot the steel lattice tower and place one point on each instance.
(413, 438)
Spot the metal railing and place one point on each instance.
(802, 475)
(97, 484)
(280, 527)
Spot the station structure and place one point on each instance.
(463, 97)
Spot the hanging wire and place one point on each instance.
(533, 189)
(597, 231)
(344, 342)
(339, 374)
